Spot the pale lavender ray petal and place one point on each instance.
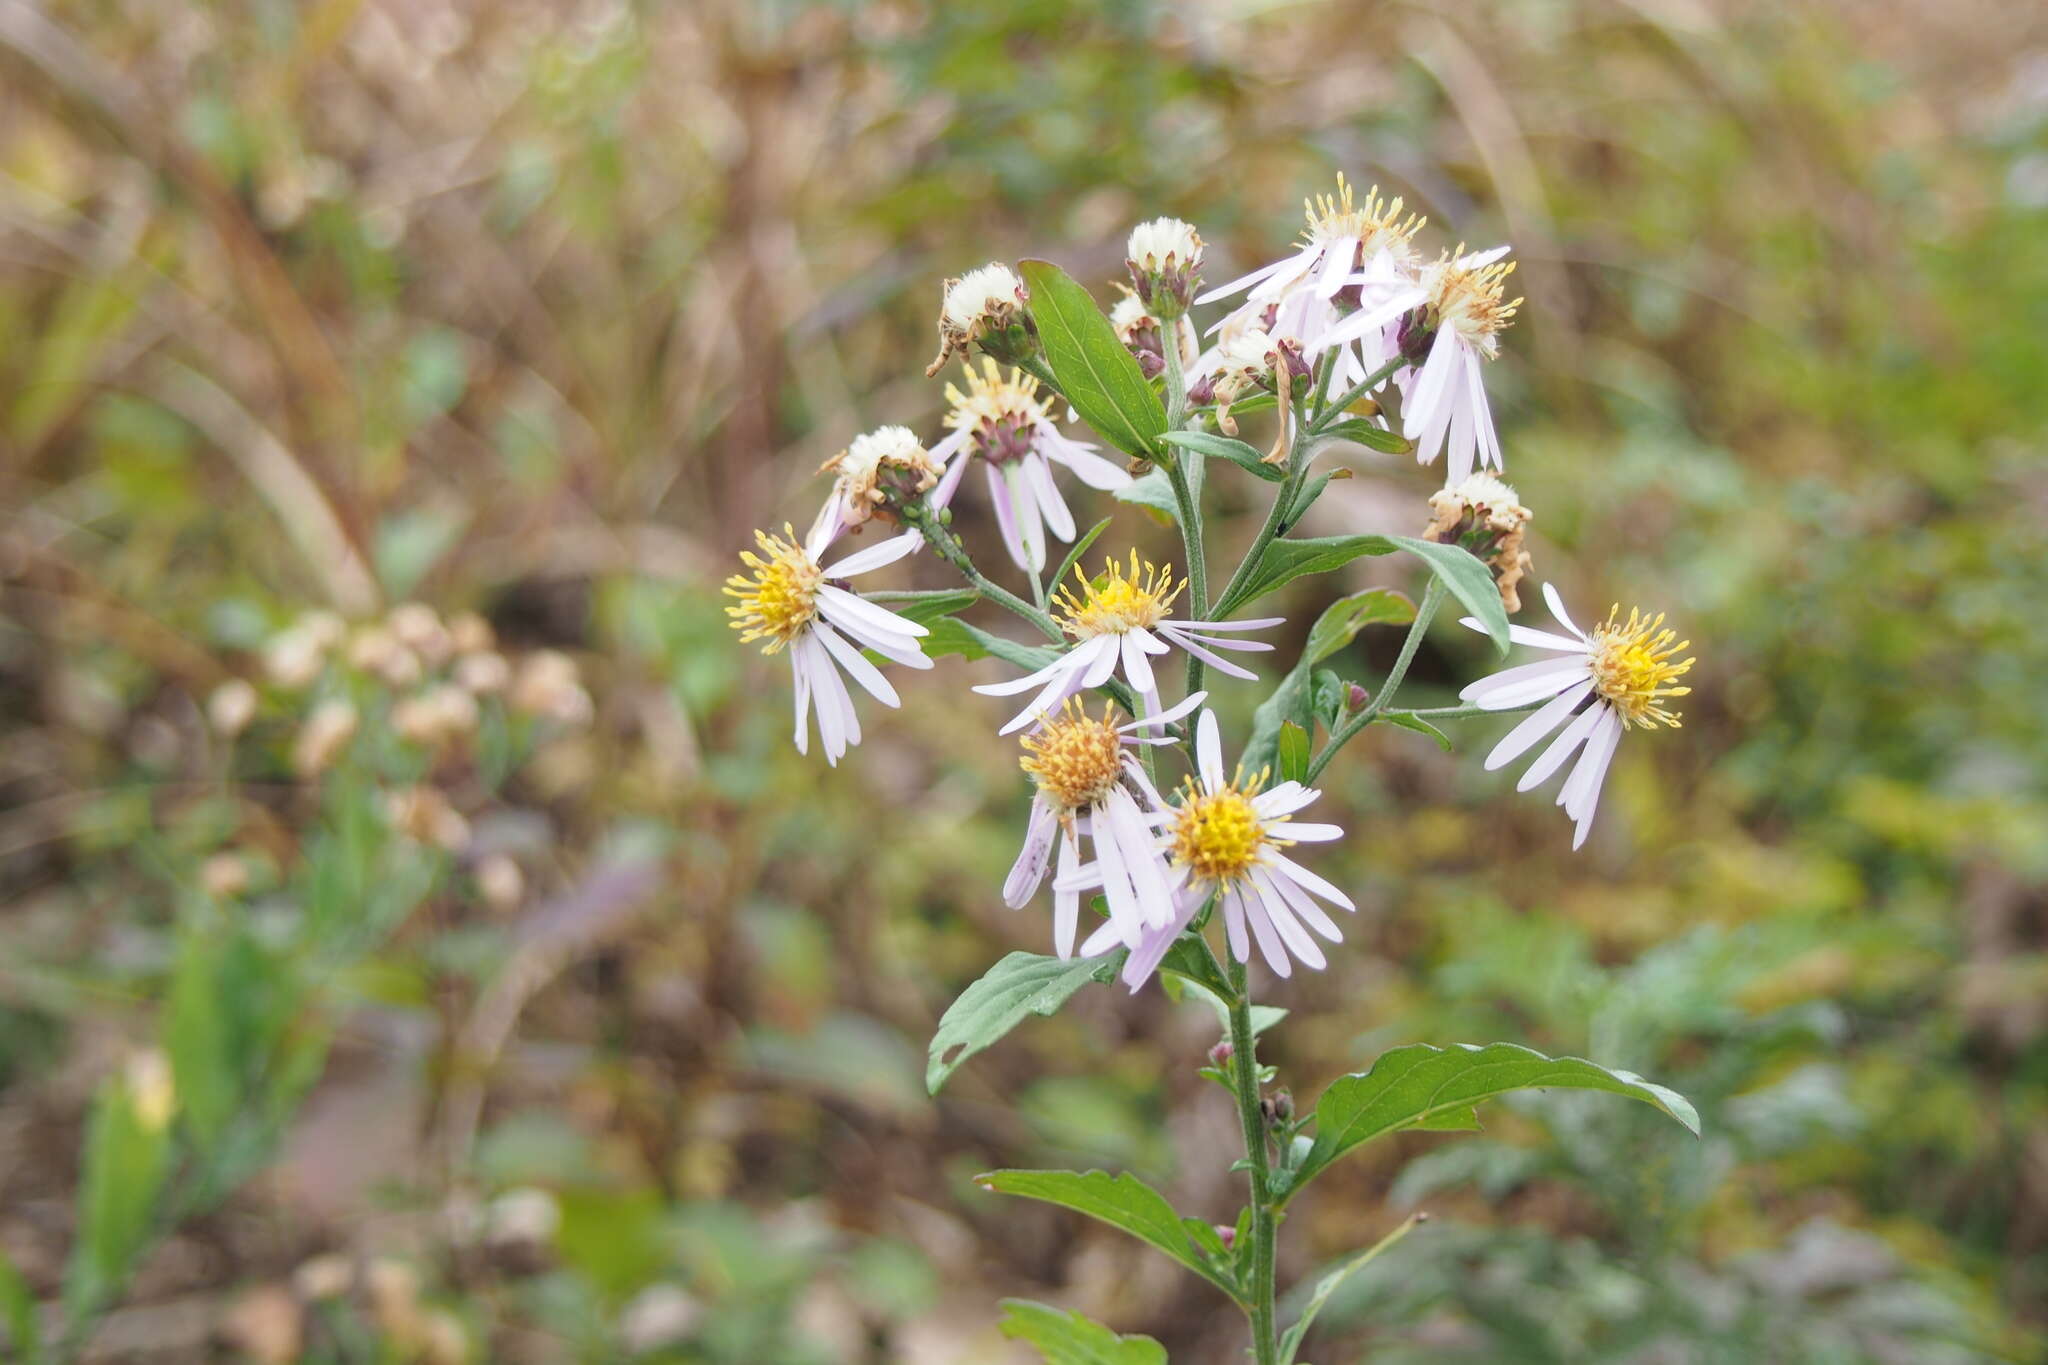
(1535, 726)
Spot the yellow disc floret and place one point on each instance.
(1376, 224)
(1633, 668)
(991, 397)
(1471, 300)
(1218, 835)
(1116, 602)
(1075, 759)
(779, 599)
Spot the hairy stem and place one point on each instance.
(1336, 410)
(1245, 1083)
(947, 546)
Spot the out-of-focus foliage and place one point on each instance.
(537, 309)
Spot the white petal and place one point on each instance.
(1303, 905)
(1271, 946)
(1221, 665)
(1030, 523)
(1010, 687)
(1088, 467)
(1116, 889)
(1141, 860)
(1066, 905)
(1058, 519)
(875, 556)
(1233, 924)
(1044, 704)
(1241, 282)
(1222, 642)
(856, 666)
(1556, 605)
(1299, 944)
(1529, 635)
(801, 682)
(1560, 748)
(1104, 939)
(1284, 866)
(1308, 834)
(1148, 642)
(1589, 796)
(1101, 653)
(1431, 384)
(1338, 259)
(1136, 666)
(1209, 751)
(1179, 709)
(1529, 682)
(1006, 519)
(1258, 623)
(837, 603)
(1535, 726)
(1284, 799)
(1034, 857)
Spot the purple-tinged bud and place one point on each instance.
(1220, 1055)
(1355, 698)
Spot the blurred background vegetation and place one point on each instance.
(534, 309)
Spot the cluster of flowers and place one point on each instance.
(429, 684)
(1355, 297)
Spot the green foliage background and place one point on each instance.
(539, 308)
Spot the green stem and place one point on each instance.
(1276, 515)
(1357, 391)
(1245, 1082)
(1190, 518)
(947, 546)
(1432, 597)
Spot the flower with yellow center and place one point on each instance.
(791, 602)
(875, 477)
(1227, 837)
(989, 305)
(1085, 779)
(1467, 295)
(1371, 227)
(1002, 420)
(1612, 679)
(1120, 617)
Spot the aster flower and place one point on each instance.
(1304, 295)
(1615, 678)
(873, 478)
(989, 305)
(1224, 838)
(788, 600)
(1121, 618)
(1142, 333)
(1084, 774)
(1463, 312)
(1005, 423)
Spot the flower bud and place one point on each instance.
(1355, 698)
(471, 633)
(322, 738)
(1278, 1108)
(293, 658)
(231, 707)
(1226, 1234)
(547, 686)
(1164, 257)
(1220, 1055)
(1140, 333)
(416, 626)
(482, 673)
(1485, 516)
(991, 306)
(502, 883)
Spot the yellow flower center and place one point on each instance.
(1075, 759)
(1376, 224)
(779, 599)
(1471, 300)
(1633, 668)
(1116, 602)
(1218, 835)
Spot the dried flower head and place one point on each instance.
(1164, 257)
(322, 738)
(878, 475)
(989, 305)
(1483, 514)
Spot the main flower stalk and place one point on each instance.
(1244, 1076)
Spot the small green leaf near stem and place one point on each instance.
(1432, 597)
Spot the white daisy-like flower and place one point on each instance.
(790, 601)
(1225, 837)
(1444, 406)
(989, 300)
(1616, 677)
(1005, 423)
(1122, 618)
(884, 467)
(1164, 257)
(1084, 774)
(1299, 295)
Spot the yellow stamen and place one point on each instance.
(780, 598)
(1116, 602)
(1218, 835)
(1075, 759)
(1470, 299)
(992, 398)
(1632, 667)
(1376, 224)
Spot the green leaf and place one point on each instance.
(198, 1035)
(1263, 1017)
(1152, 490)
(1341, 621)
(1306, 499)
(1418, 1085)
(1189, 957)
(1293, 752)
(1407, 720)
(926, 607)
(1070, 1339)
(1326, 1286)
(127, 1153)
(18, 1311)
(1329, 695)
(1245, 456)
(1019, 985)
(1080, 546)
(1469, 580)
(950, 635)
(1100, 378)
(1373, 437)
(1286, 560)
(1122, 1201)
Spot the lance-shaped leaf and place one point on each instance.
(950, 635)
(1020, 985)
(1080, 548)
(1420, 1086)
(1247, 457)
(1098, 375)
(1070, 1339)
(1341, 621)
(925, 607)
(1122, 1201)
(1370, 435)
(1286, 560)
(1292, 701)
(1469, 580)
(1153, 491)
